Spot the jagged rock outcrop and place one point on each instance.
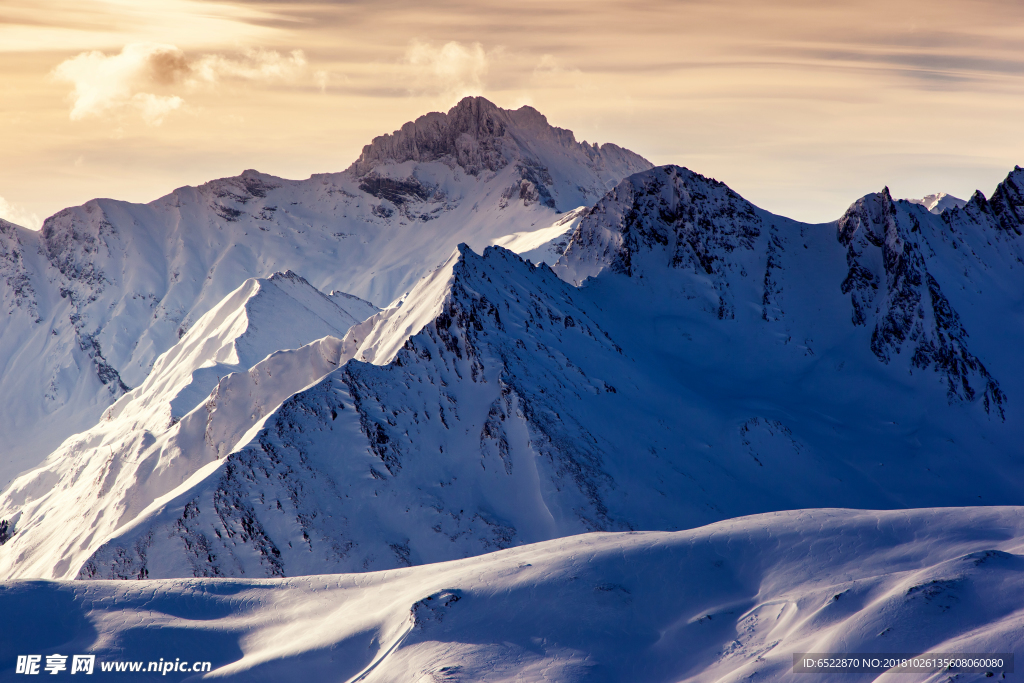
(478, 136)
(892, 292)
(543, 163)
(673, 217)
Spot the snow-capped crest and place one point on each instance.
(523, 408)
(939, 202)
(107, 287)
(268, 339)
(547, 244)
(672, 217)
(1007, 203)
(686, 219)
(892, 291)
(477, 135)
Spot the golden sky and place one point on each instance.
(801, 106)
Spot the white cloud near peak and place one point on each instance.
(150, 78)
(453, 69)
(13, 213)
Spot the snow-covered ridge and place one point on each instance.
(479, 136)
(726, 602)
(713, 361)
(506, 407)
(229, 371)
(901, 263)
(105, 288)
(939, 202)
(547, 244)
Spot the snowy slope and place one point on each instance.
(727, 602)
(719, 361)
(105, 288)
(939, 202)
(547, 244)
(203, 395)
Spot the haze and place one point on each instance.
(799, 106)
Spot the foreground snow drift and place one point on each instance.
(726, 602)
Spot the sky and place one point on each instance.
(801, 106)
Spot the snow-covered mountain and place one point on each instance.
(939, 202)
(233, 367)
(92, 300)
(727, 602)
(699, 359)
(547, 244)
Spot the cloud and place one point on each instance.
(255, 65)
(148, 77)
(18, 215)
(105, 84)
(453, 69)
(322, 78)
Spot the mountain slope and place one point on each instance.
(716, 361)
(917, 282)
(105, 288)
(203, 395)
(547, 244)
(726, 602)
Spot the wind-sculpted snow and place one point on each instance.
(728, 602)
(204, 394)
(498, 405)
(105, 288)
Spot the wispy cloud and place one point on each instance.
(13, 213)
(452, 70)
(800, 105)
(150, 78)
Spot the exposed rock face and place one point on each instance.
(1007, 203)
(689, 221)
(892, 291)
(18, 291)
(891, 249)
(479, 137)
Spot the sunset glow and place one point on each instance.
(800, 106)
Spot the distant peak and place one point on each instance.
(478, 135)
(286, 275)
(938, 202)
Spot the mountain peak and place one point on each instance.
(938, 202)
(478, 135)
